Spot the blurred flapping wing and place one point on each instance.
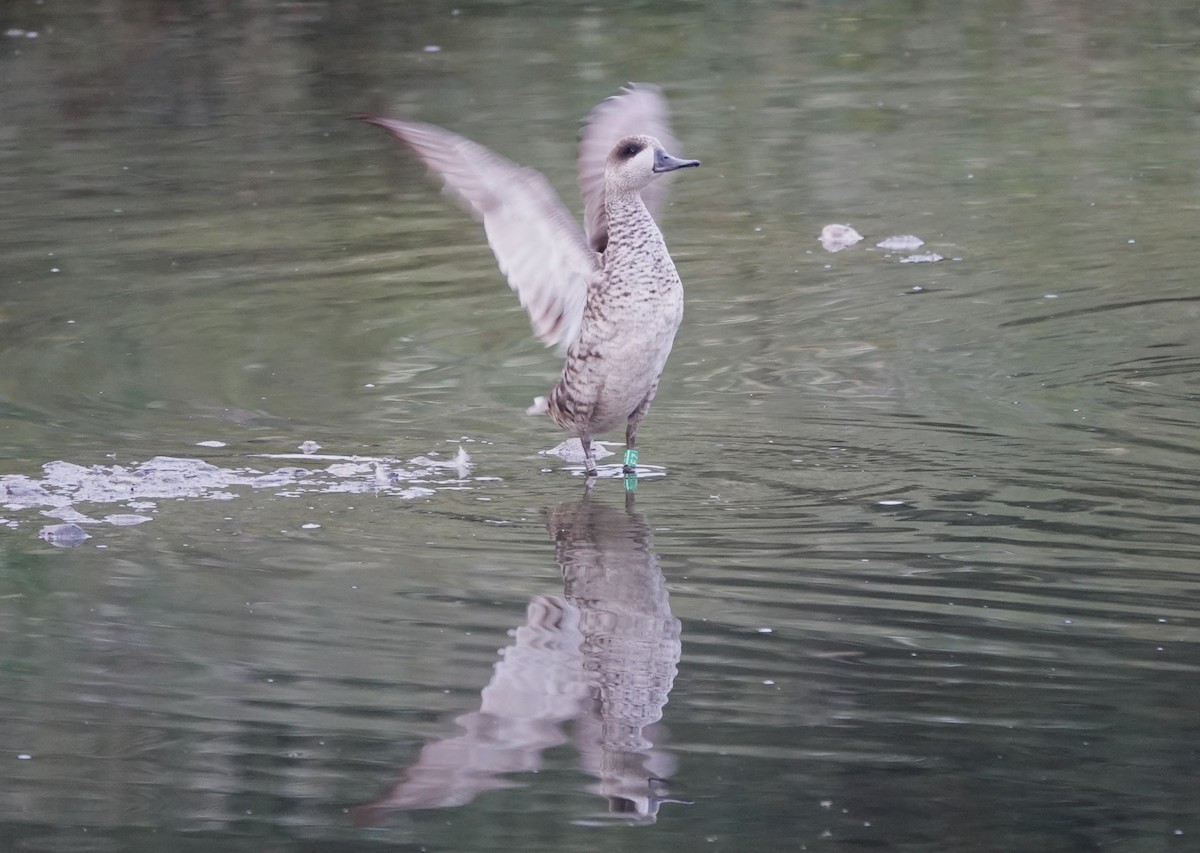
(639, 108)
(538, 245)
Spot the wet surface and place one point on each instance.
(914, 565)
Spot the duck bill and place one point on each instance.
(664, 162)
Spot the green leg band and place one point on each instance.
(631, 457)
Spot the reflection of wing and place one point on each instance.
(537, 686)
(604, 655)
(538, 245)
(638, 109)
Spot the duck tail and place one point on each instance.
(541, 406)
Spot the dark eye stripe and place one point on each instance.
(631, 149)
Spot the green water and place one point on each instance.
(921, 574)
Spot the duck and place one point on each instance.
(605, 293)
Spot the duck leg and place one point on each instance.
(589, 455)
(635, 418)
(631, 454)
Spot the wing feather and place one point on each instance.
(639, 108)
(540, 248)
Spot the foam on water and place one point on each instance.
(65, 486)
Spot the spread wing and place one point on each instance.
(538, 245)
(638, 108)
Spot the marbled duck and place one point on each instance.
(609, 297)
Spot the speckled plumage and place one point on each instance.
(610, 297)
(634, 307)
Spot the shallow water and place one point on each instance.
(919, 566)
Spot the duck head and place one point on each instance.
(635, 161)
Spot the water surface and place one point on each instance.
(920, 572)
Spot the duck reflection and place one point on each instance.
(603, 654)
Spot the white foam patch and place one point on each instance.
(901, 243)
(571, 450)
(837, 236)
(67, 491)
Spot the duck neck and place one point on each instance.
(631, 228)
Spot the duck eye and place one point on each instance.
(629, 149)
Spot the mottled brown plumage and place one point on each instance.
(610, 297)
